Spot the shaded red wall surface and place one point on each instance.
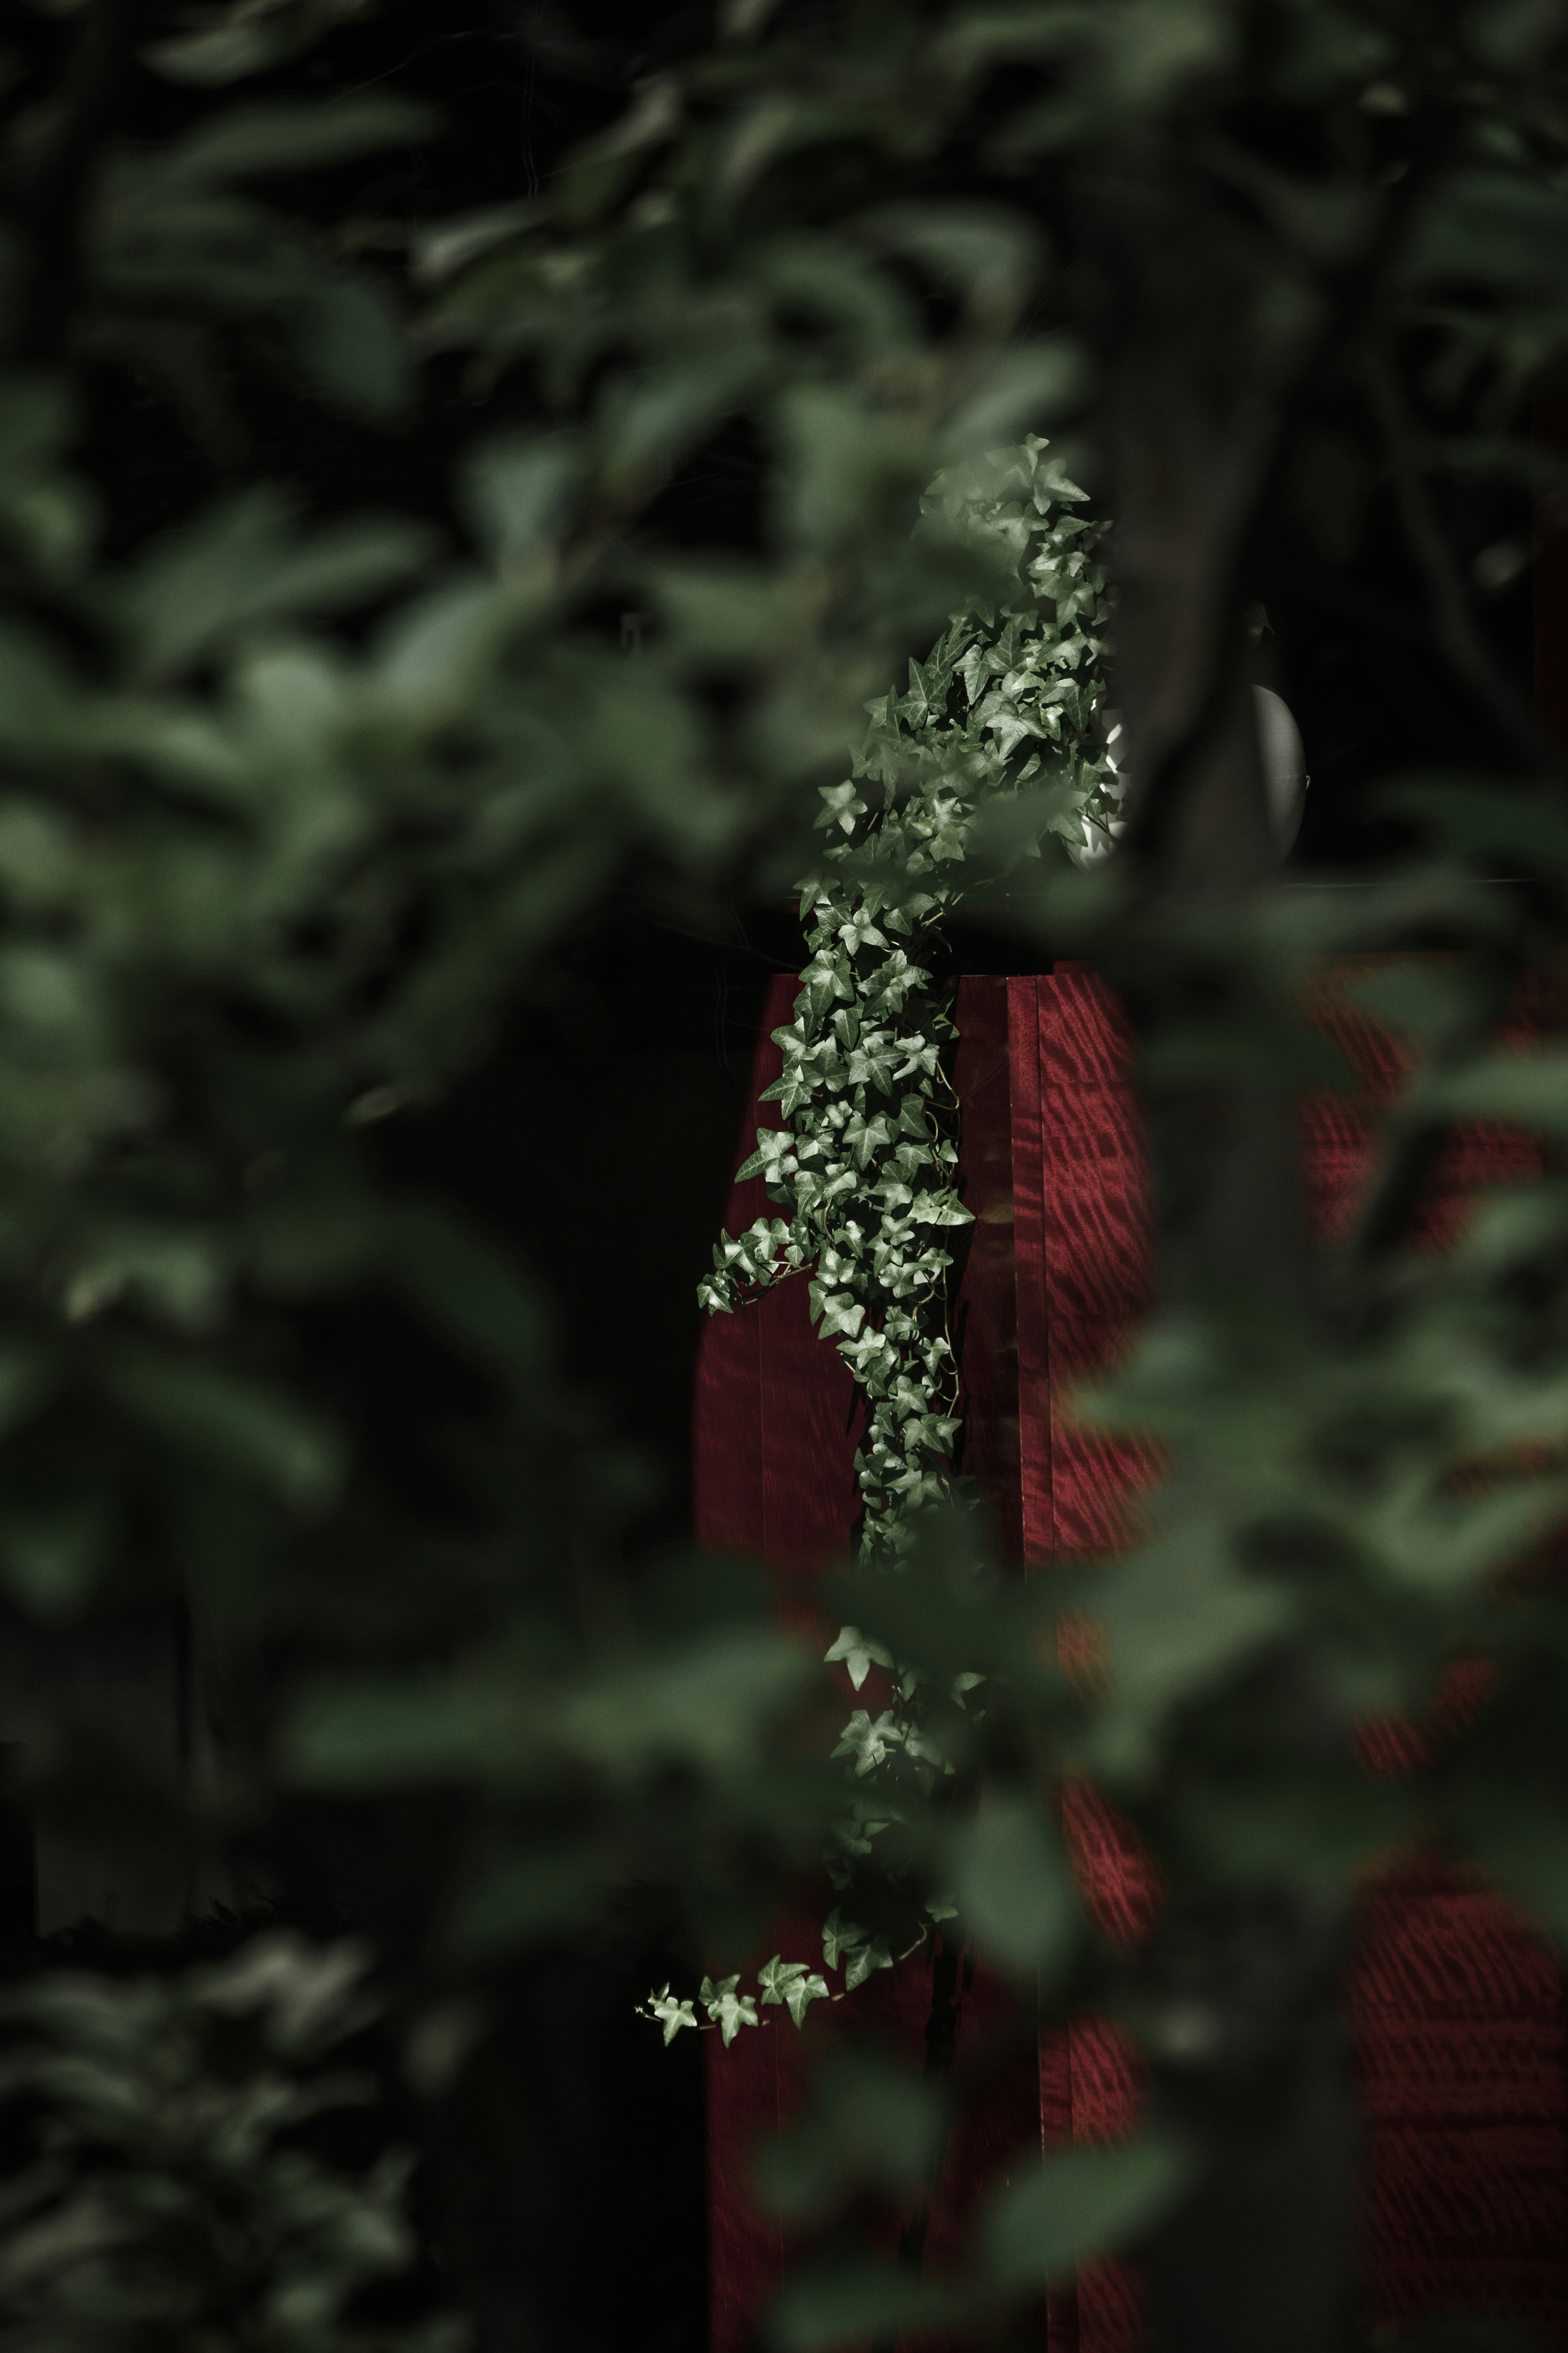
(1456, 2005)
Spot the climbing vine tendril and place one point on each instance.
(1011, 701)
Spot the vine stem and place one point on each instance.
(710, 2025)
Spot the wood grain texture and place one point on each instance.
(775, 1431)
(1456, 2005)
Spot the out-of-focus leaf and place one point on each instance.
(1514, 32)
(26, 1377)
(1024, 392)
(471, 1293)
(1078, 2206)
(1013, 1887)
(656, 419)
(843, 462)
(1301, 1831)
(446, 248)
(710, 1705)
(1499, 228)
(39, 710)
(378, 1735)
(243, 565)
(1520, 1836)
(260, 1433)
(596, 172)
(430, 658)
(815, 278)
(1486, 822)
(870, 2125)
(1524, 1090)
(857, 2304)
(52, 1559)
(991, 255)
(1449, 1545)
(1176, 1618)
(249, 36)
(718, 611)
(540, 1896)
(514, 490)
(350, 344)
(280, 137)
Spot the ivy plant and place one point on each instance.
(1011, 705)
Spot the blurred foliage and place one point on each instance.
(294, 805)
(173, 2198)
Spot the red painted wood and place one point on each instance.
(1456, 2005)
(775, 1428)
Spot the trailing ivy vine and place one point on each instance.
(1011, 701)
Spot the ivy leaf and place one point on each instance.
(728, 2010)
(671, 2014)
(870, 1741)
(793, 1984)
(840, 1937)
(864, 1960)
(860, 1652)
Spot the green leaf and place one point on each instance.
(1484, 822)
(596, 172)
(52, 1559)
(991, 255)
(350, 344)
(860, 1652)
(1317, 1831)
(471, 1292)
(27, 1376)
(865, 1961)
(857, 2303)
(839, 1936)
(1526, 1090)
(710, 1704)
(728, 2010)
(384, 1735)
(871, 2125)
(241, 564)
(1078, 2207)
(513, 491)
(651, 423)
(1178, 1617)
(1030, 384)
(1012, 1885)
(236, 1422)
(1498, 228)
(843, 462)
(1514, 32)
(718, 611)
(671, 2014)
(280, 137)
(1518, 1835)
(249, 36)
(432, 656)
(792, 1983)
(537, 1898)
(39, 708)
